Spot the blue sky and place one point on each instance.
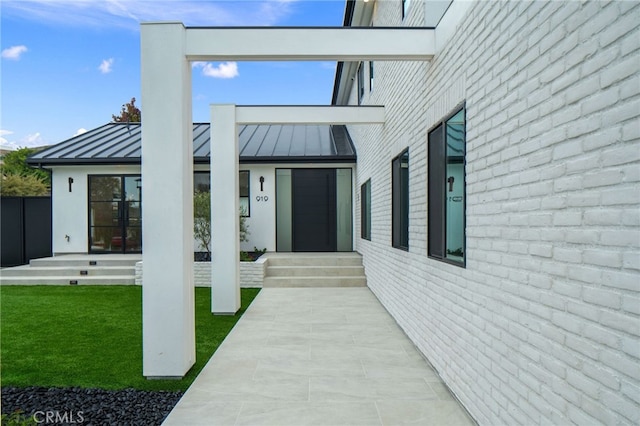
(68, 65)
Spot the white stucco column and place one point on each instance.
(168, 330)
(225, 207)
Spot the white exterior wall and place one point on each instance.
(262, 221)
(70, 210)
(542, 325)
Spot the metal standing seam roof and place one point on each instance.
(121, 143)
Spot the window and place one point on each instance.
(360, 83)
(115, 213)
(365, 210)
(244, 193)
(446, 209)
(400, 201)
(405, 7)
(202, 183)
(370, 76)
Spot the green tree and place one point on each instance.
(15, 163)
(20, 179)
(202, 221)
(129, 113)
(13, 185)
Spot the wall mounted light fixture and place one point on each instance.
(261, 183)
(70, 183)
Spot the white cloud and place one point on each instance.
(4, 143)
(222, 70)
(34, 139)
(80, 131)
(30, 141)
(14, 52)
(106, 66)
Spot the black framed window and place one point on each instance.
(245, 206)
(115, 213)
(365, 210)
(360, 82)
(202, 183)
(446, 209)
(405, 7)
(370, 76)
(400, 201)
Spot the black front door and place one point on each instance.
(314, 209)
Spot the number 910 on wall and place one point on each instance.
(260, 198)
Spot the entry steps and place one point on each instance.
(104, 269)
(314, 270)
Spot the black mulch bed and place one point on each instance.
(74, 406)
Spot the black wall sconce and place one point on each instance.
(261, 183)
(70, 183)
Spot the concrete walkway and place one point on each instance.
(317, 356)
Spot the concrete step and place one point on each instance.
(316, 259)
(65, 261)
(315, 271)
(313, 281)
(68, 280)
(68, 271)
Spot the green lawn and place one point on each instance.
(91, 336)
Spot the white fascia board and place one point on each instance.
(310, 114)
(309, 44)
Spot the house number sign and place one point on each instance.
(262, 198)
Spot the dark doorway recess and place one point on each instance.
(314, 209)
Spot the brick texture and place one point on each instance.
(542, 326)
(251, 274)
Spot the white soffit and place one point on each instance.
(309, 44)
(310, 114)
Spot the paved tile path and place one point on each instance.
(317, 356)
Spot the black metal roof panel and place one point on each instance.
(121, 143)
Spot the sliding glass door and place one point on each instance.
(115, 214)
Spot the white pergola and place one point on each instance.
(167, 161)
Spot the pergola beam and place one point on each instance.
(310, 44)
(309, 115)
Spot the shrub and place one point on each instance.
(22, 186)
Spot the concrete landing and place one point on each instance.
(317, 356)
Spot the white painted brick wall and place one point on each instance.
(251, 274)
(542, 326)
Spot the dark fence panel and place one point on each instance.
(37, 227)
(26, 229)
(12, 244)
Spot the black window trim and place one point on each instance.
(365, 225)
(443, 121)
(360, 83)
(404, 8)
(393, 210)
